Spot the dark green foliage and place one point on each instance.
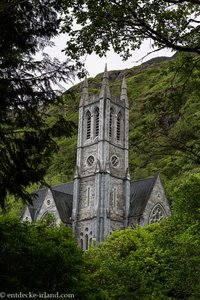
(159, 261)
(27, 86)
(39, 257)
(163, 120)
(124, 25)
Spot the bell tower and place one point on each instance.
(102, 183)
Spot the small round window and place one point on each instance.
(115, 161)
(48, 202)
(90, 160)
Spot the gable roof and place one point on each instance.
(63, 203)
(37, 201)
(139, 195)
(140, 191)
(67, 188)
(26, 213)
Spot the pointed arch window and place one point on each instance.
(86, 242)
(157, 214)
(81, 243)
(111, 123)
(119, 126)
(88, 132)
(97, 121)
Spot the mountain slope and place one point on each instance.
(164, 119)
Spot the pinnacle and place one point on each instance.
(84, 96)
(105, 90)
(105, 74)
(124, 96)
(85, 86)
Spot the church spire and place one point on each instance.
(105, 90)
(84, 96)
(124, 96)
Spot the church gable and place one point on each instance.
(140, 192)
(31, 210)
(49, 207)
(149, 203)
(26, 216)
(157, 206)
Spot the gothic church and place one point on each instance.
(102, 197)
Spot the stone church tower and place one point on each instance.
(101, 197)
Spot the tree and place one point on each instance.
(158, 261)
(40, 258)
(172, 24)
(124, 25)
(168, 131)
(27, 86)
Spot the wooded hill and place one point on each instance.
(164, 120)
(158, 261)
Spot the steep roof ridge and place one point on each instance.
(139, 198)
(63, 202)
(37, 201)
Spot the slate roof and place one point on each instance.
(37, 201)
(140, 191)
(63, 203)
(139, 194)
(63, 195)
(67, 188)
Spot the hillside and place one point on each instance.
(164, 120)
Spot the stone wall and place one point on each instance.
(157, 199)
(49, 207)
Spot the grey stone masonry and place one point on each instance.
(102, 184)
(104, 197)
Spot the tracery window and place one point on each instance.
(45, 214)
(90, 160)
(97, 121)
(118, 126)
(88, 132)
(157, 214)
(114, 161)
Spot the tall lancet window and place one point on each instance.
(86, 242)
(88, 132)
(119, 126)
(97, 121)
(81, 243)
(111, 124)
